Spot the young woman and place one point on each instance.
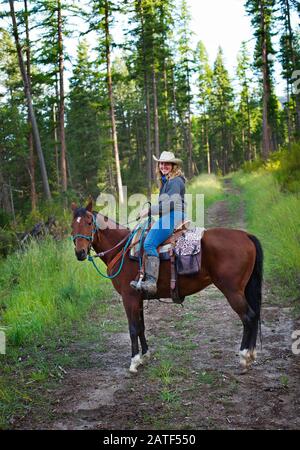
(170, 209)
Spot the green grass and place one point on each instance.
(48, 299)
(274, 217)
(208, 185)
(208, 378)
(46, 288)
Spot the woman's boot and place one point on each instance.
(151, 276)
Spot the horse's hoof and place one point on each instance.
(136, 361)
(145, 357)
(245, 358)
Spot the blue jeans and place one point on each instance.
(161, 230)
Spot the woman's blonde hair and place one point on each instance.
(175, 172)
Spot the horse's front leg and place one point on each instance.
(133, 305)
(144, 345)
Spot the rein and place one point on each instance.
(124, 251)
(121, 254)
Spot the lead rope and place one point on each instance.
(91, 258)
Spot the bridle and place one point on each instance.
(91, 238)
(127, 240)
(84, 236)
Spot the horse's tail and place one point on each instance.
(254, 286)
(253, 290)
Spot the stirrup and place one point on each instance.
(136, 285)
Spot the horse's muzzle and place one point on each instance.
(81, 254)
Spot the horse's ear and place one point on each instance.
(89, 206)
(73, 206)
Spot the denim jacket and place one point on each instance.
(171, 197)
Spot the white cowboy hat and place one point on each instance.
(168, 157)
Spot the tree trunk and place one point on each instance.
(5, 203)
(111, 105)
(148, 128)
(63, 159)
(156, 125)
(31, 166)
(266, 148)
(288, 112)
(55, 133)
(33, 121)
(190, 147)
(190, 143)
(147, 104)
(207, 145)
(290, 34)
(248, 157)
(166, 115)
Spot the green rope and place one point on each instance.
(91, 258)
(89, 238)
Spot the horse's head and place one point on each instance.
(83, 229)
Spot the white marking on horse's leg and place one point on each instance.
(136, 361)
(245, 358)
(146, 356)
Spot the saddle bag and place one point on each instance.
(188, 264)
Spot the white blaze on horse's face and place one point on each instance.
(78, 219)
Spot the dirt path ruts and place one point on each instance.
(192, 381)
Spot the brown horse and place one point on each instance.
(232, 260)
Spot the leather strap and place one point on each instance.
(113, 262)
(171, 240)
(173, 272)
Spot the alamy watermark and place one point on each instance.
(296, 343)
(2, 342)
(132, 206)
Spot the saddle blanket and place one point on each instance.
(189, 243)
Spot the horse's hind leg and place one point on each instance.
(247, 351)
(239, 304)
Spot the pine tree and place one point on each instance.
(244, 108)
(204, 84)
(31, 165)
(63, 151)
(221, 111)
(33, 121)
(183, 73)
(100, 21)
(290, 60)
(83, 132)
(262, 12)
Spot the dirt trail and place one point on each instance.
(193, 379)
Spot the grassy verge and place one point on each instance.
(208, 185)
(46, 300)
(274, 217)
